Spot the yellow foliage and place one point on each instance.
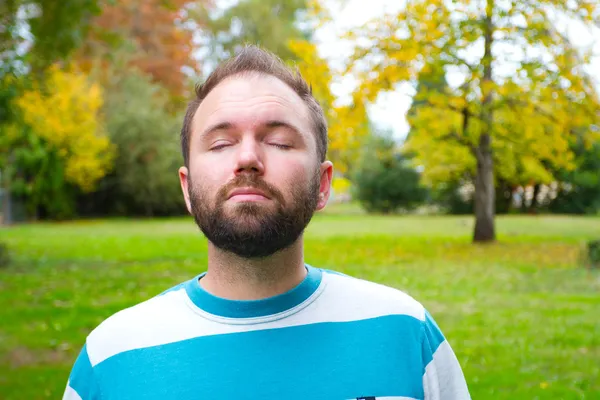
(535, 114)
(314, 70)
(340, 185)
(347, 124)
(317, 12)
(436, 147)
(64, 112)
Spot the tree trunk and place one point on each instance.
(533, 208)
(6, 203)
(484, 181)
(484, 193)
(503, 197)
(524, 200)
(5, 181)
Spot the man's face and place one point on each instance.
(254, 179)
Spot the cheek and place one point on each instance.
(214, 167)
(206, 178)
(290, 173)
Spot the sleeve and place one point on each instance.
(443, 378)
(82, 384)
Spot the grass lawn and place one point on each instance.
(522, 316)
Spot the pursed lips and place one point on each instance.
(247, 194)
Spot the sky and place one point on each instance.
(389, 112)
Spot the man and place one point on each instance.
(260, 323)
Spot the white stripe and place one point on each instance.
(70, 393)
(167, 319)
(443, 378)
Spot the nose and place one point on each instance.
(249, 159)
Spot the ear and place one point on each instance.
(326, 171)
(183, 181)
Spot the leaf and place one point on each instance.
(64, 113)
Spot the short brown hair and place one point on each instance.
(254, 59)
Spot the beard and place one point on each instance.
(254, 229)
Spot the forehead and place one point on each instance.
(250, 99)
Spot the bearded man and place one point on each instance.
(261, 323)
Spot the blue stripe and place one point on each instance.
(433, 337)
(374, 357)
(254, 308)
(82, 376)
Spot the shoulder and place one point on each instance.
(370, 298)
(137, 326)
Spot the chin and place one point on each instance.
(248, 214)
(248, 207)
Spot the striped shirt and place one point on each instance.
(331, 337)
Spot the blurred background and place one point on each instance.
(465, 136)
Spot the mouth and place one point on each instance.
(247, 194)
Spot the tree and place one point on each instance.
(57, 143)
(37, 33)
(143, 181)
(34, 34)
(384, 180)
(270, 24)
(64, 113)
(491, 118)
(154, 34)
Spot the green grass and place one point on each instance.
(522, 315)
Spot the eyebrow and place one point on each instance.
(217, 127)
(278, 124)
(269, 124)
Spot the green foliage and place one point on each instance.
(34, 34)
(39, 180)
(10, 87)
(59, 27)
(456, 197)
(52, 29)
(594, 252)
(62, 110)
(579, 190)
(144, 179)
(268, 23)
(54, 145)
(31, 167)
(448, 196)
(4, 255)
(384, 180)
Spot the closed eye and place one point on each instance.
(219, 146)
(281, 146)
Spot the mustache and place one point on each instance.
(252, 181)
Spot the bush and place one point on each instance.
(593, 253)
(384, 180)
(456, 197)
(144, 180)
(452, 199)
(4, 255)
(579, 190)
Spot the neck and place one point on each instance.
(236, 278)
